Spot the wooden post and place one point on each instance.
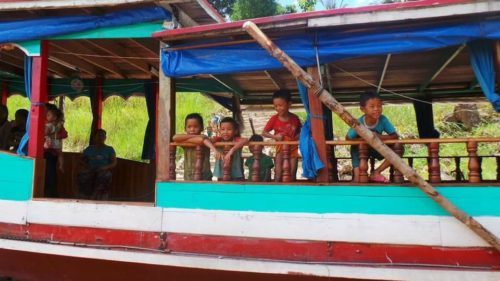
(172, 175)
(199, 163)
(99, 99)
(434, 167)
(166, 126)
(39, 97)
(318, 127)
(363, 163)
(5, 92)
(398, 176)
(226, 167)
(333, 173)
(237, 114)
(498, 168)
(368, 135)
(286, 175)
(473, 162)
(257, 150)
(458, 171)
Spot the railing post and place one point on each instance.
(333, 173)
(198, 164)
(226, 168)
(286, 176)
(397, 175)
(363, 163)
(410, 162)
(257, 150)
(434, 168)
(171, 170)
(473, 162)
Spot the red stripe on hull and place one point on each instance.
(273, 249)
(313, 251)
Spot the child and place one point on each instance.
(18, 128)
(371, 105)
(266, 162)
(98, 159)
(52, 148)
(193, 125)
(229, 132)
(286, 127)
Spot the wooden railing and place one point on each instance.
(433, 157)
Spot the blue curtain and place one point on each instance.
(311, 163)
(148, 148)
(481, 57)
(23, 144)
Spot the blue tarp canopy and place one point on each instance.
(331, 46)
(32, 29)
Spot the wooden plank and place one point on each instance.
(113, 49)
(442, 64)
(229, 83)
(166, 125)
(318, 127)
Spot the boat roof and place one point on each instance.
(445, 73)
(126, 51)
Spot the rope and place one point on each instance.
(376, 86)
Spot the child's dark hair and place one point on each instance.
(100, 131)
(56, 111)
(283, 94)
(22, 113)
(196, 116)
(235, 124)
(366, 96)
(256, 138)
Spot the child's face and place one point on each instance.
(373, 108)
(254, 147)
(193, 127)
(281, 106)
(50, 116)
(227, 131)
(99, 138)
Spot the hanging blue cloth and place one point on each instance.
(25, 30)
(22, 149)
(481, 57)
(311, 163)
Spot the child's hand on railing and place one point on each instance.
(217, 154)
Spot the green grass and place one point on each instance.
(126, 120)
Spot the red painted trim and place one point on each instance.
(99, 99)
(39, 96)
(322, 251)
(304, 16)
(273, 249)
(5, 92)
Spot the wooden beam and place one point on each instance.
(110, 48)
(184, 19)
(8, 59)
(69, 60)
(318, 126)
(39, 96)
(384, 70)
(210, 11)
(81, 51)
(166, 126)
(146, 48)
(18, 61)
(450, 55)
(274, 79)
(229, 83)
(63, 4)
(9, 68)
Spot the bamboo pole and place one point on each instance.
(330, 102)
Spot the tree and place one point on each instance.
(248, 9)
(224, 7)
(307, 5)
(288, 9)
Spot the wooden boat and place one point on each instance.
(320, 229)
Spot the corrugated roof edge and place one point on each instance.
(308, 15)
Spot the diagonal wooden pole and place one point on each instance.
(329, 101)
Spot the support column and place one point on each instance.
(97, 105)
(318, 127)
(237, 114)
(165, 126)
(496, 61)
(5, 92)
(39, 97)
